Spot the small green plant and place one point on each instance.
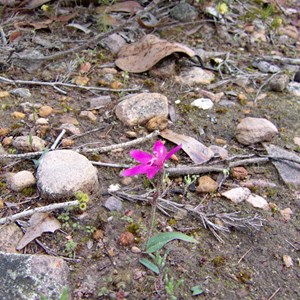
(83, 199)
(171, 286)
(157, 264)
(64, 295)
(70, 248)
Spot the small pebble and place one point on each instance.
(45, 111)
(136, 250)
(18, 115)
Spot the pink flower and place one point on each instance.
(150, 164)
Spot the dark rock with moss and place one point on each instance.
(184, 12)
(30, 277)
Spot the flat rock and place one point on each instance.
(195, 76)
(254, 130)
(64, 172)
(21, 180)
(203, 103)
(28, 277)
(140, 108)
(9, 238)
(237, 195)
(99, 102)
(113, 204)
(288, 171)
(29, 143)
(258, 202)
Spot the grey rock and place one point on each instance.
(28, 277)
(274, 69)
(21, 92)
(289, 171)
(29, 107)
(113, 204)
(254, 130)
(184, 12)
(61, 173)
(85, 114)
(28, 60)
(266, 67)
(195, 76)
(29, 143)
(98, 102)
(140, 108)
(279, 83)
(203, 103)
(227, 103)
(262, 66)
(294, 88)
(21, 180)
(114, 43)
(70, 128)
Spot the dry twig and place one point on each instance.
(55, 85)
(38, 209)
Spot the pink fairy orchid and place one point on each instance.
(150, 164)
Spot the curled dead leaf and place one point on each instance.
(144, 54)
(38, 224)
(198, 152)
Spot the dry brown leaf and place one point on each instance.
(144, 54)
(35, 3)
(35, 25)
(128, 6)
(198, 152)
(38, 224)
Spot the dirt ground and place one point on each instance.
(248, 264)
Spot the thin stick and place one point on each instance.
(58, 139)
(3, 37)
(274, 294)
(38, 209)
(243, 256)
(102, 164)
(54, 84)
(100, 150)
(122, 145)
(287, 60)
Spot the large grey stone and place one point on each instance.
(29, 277)
(255, 130)
(61, 173)
(140, 108)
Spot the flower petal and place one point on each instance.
(139, 169)
(152, 171)
(141, 156)
(172, 151)
(160, 151)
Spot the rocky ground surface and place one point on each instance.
(83, 83)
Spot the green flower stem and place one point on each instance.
(159, 188)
